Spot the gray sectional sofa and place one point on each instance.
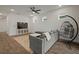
(40, 44)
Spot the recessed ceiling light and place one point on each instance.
(33, 12)
(59, 5)
(1, 13)
(12, 9)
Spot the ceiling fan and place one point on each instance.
(35, 10)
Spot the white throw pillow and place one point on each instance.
(47, 36)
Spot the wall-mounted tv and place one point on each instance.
(22, 25)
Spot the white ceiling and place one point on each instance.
(25, 9)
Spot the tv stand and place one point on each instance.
(22, 31)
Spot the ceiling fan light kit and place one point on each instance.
(34, 10)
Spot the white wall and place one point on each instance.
(52, 17)
(12, 22)
(3, 23)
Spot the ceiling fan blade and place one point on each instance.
(38, 10)
(34, 10)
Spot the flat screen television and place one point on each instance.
(22, 25)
